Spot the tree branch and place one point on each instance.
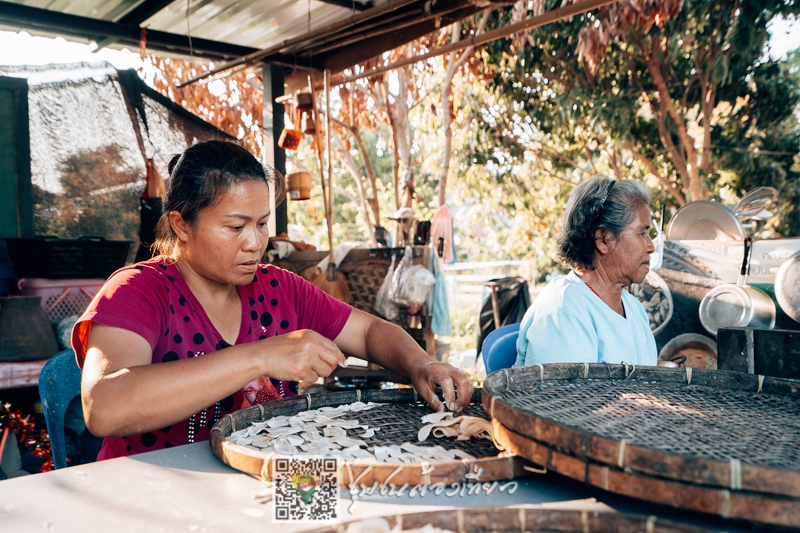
(654, 171)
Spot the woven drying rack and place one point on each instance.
(399, 423)
(718, 442)
(516, 520)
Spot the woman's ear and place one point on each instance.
(601, 242)
(179, 226)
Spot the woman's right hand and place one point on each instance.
(302, 355)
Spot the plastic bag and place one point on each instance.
(383, 301)
(411, 283)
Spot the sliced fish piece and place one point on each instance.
(308, 436)
(278, 421)
(381, 453)
(261, 441)
(296, 422)
(295, 440)
(347, 424)
(286, 430)
(370, 432)
(425, 431)
(447, 431)
(314, 449)
(347, 442)
(284, 446)
(236, 434)
(333, 431)
(395, 451)
(436, 417)
(474, 427)
(358, 453)
(244, 441)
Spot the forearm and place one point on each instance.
(144, 398)
(394, 349)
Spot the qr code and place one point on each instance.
(306, 489)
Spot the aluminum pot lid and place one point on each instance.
(705, 220)
(754, 202)
(787, 287)
(727, 306)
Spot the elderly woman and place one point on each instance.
(588, 316)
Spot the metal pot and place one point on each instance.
(737, 306)
(787, 287)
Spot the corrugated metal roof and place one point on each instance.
(313, 34)
(252, 23)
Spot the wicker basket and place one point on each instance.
(718, 442)
(399, 423)
(515, 520)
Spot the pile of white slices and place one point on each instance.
(333, 432)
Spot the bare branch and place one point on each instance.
(654, 171)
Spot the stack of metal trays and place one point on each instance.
(717, 442)
(396, 421)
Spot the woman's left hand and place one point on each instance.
(455, 386)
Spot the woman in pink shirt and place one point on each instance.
(170, 345)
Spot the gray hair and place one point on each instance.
(599, 202)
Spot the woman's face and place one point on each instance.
(230, 237)
(629, 255)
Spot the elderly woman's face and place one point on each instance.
(629, 255)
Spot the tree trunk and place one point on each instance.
(447, 106)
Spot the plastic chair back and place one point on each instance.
(59, 383)
(500, 348)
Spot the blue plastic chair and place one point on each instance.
(500, 348)
(59, 383)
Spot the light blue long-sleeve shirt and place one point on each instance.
(568, 323)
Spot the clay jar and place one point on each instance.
(25, 331)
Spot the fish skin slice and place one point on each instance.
(294, 440)
(286, 430)
(261, 441)
(278, 421)
(284, 447)
(332, 431)
(436, 417)
(425, 431)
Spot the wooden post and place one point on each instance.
(274, 156)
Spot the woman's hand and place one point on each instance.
(302, 355)
(455, 386)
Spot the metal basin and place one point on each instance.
(734, 306)
(787, 287)
(705, 220)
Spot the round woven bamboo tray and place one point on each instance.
(516, 520)
(399, 423)
(719, 442)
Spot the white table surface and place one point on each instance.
(188, 488)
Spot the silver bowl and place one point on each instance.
(705, 220)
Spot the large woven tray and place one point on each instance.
(399, 422)
(718, 442)
(516, 520)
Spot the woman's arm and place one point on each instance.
(376, 340)
(124, 394)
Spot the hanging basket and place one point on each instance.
(299, 185)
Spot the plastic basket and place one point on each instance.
(54, 258)
(63, 297)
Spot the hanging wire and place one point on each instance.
(189, 30)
